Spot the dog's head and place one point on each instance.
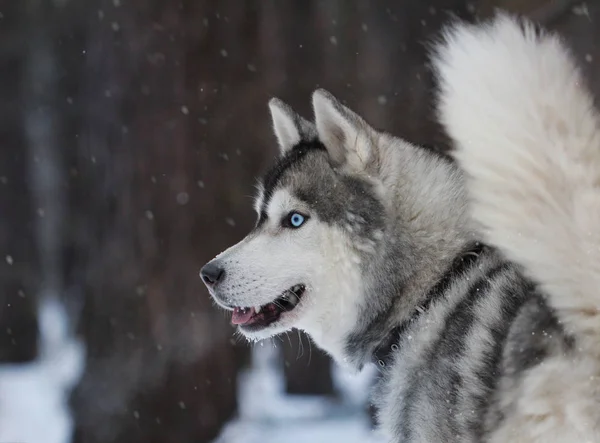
(320, 219)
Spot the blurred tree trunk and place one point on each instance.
(19, 261)
(146, 223)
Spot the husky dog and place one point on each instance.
(473, 283)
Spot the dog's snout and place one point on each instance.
(212, 273)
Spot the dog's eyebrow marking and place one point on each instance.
(274, 175)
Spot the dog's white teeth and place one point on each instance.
(257, 309)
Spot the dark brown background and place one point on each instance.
(158, 129)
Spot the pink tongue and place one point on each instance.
(241, 316)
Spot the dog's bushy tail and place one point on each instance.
(528, 137)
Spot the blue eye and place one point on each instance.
(294, 220)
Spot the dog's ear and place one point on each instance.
(290, 129)
(347, 137)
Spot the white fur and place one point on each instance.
(346, 135)
(258, 198)
(288, 126)
(557, 402)
(276, 259)
(528, 136)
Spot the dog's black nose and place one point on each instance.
(212, 273)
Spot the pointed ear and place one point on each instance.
(290, 129)
(347, 137)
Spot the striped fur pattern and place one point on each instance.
(480, 275)
(527, 135)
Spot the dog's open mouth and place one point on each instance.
(262, 316)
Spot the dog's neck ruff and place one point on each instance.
(383, 353)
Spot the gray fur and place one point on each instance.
(396, 216)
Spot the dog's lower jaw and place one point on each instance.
(328, 312)
(263, 334)
(285, 323)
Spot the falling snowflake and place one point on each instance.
(582, 9)
(183, 198)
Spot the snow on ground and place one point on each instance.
(268, 415)
(34, 396)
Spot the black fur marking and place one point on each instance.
(355, 196)
(374, 333)
(533, 334)
(542, 325)
(370, 333)
(490, 372)
(384, 352)
(272, 178)
(456, 382)
(449, 345)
